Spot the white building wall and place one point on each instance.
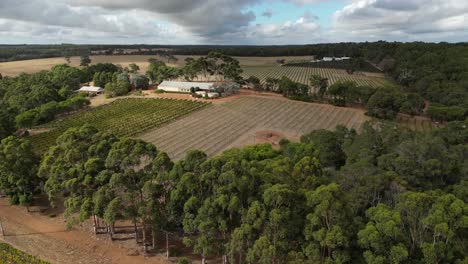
(173, 89)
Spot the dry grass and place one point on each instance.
(15, 68)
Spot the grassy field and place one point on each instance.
(302, 74)
(123, 117)
(11, 255)
(235, 123)
(30, 66)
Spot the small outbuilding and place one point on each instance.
(91, 90)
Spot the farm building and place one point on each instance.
(91, 90)
(184, 87)
(335, 58)
(209, 89)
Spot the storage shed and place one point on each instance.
(91, 90)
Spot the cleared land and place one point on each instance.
(38, 234)
(30, 66)
(302, 74)
(123, 117)
(236, 123)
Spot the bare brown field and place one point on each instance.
(238, 122)
(15, 68)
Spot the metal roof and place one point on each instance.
(187, 85)
(91, 89)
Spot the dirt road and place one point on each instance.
(48, 239)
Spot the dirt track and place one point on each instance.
(48, 239)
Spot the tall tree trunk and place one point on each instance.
(1, 228)
(135, 230)
(145, 249)
(94, 224)
(167, 245)
(153, 235)
(110, 231)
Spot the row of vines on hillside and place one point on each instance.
(230, 122)
(303, 74)
(124, 118)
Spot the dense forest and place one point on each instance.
(384, 195)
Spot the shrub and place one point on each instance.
(140, 82)
(184, 261)
(446, 113)
(384, 104)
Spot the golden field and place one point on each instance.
(15, 68)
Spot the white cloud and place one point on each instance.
(225, 22)
(303, 30)
(402, 20)
(207, 18)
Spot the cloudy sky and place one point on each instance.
(231, 21)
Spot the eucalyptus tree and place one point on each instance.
(326, 228)
(282, 227)
(7, 121)
(85, 60)
(447, 223)
(383, 238)
(191, 69)
(157, 193)
(250, 229)
(73, 169)
(319, 85)
(134, 68)
(130, 161)
(18, 170)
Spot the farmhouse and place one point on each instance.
(91, 90)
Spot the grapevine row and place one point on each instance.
(303, 74)
(124, 118)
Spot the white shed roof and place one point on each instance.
(186, 85)
(94, 89)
